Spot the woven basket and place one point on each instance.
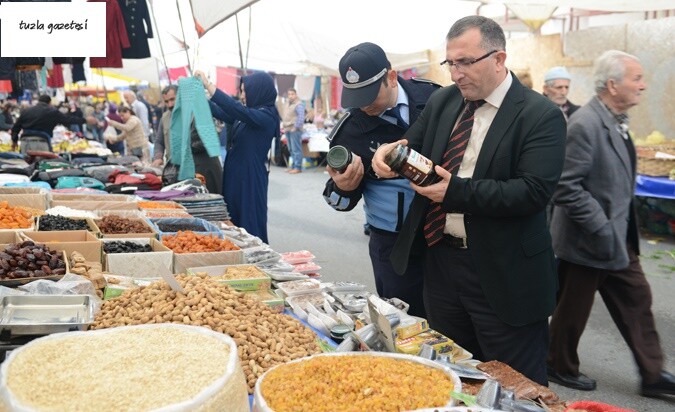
(648, 165)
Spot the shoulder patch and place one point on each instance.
(339, 124)
(420, 80)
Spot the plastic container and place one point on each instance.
(308, 267)
(294, 258)
(261, 254)
(300, 287)
(302, 301)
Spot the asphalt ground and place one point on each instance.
(299, 219)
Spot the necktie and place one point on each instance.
(396, 112)
(452, 158)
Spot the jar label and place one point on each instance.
(417, 167)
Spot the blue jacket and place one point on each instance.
(387, 200)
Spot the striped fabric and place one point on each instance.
(452, 158)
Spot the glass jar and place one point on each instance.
(411, 165)
(339, 158)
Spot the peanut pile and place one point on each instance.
(264, 339)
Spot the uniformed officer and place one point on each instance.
(383, 105)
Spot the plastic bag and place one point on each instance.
(170, 174)
(69, 284)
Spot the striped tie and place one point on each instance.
(452, 158)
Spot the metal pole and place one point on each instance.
(159, 39)
(180, 18)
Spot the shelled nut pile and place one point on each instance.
(264, 339)
(30, 260)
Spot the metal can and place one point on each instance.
(339, 158)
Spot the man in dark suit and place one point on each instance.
(595, 232)
(490, 279)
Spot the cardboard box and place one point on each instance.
(70, 241)
(307, 153)
(148, 233)
(416, 328)
(413, 344)
(22, 281)
(262, 282)
(8, 238)
(183, 261)
(269, 298)
(34, 200)
(90, 224)
(92, 205)
(157, 263)
(79, 197)
(4, 190)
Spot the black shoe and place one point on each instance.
(664, 386)
(581, 382)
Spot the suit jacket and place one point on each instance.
(503, 202)
(593, 199)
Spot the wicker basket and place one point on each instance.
(648, 165)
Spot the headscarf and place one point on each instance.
(112, 113)
(261, 94)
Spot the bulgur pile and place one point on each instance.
(354, 384)
(264, 339)
(125, 370)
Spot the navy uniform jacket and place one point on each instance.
(387, 200)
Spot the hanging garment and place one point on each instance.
(7, 68)
(55, 78)
(191, 104)
(116, 37)
(136, 13)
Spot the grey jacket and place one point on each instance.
(593, 198)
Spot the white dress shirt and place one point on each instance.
(454, 222)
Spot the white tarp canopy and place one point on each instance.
(310, 36)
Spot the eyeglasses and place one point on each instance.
(463, 64)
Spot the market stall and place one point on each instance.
(82, 265)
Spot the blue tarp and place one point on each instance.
(648, 186)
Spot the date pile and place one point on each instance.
(125, 247)
(56, 222)
(114, 225)
(30, 260)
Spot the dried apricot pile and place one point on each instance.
(191, 242)
(148, 204)
(14, 217)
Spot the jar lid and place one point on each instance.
(337, 157)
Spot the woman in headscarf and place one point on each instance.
(255, 122)
(117, 147)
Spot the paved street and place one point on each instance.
(300, 219)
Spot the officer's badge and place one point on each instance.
(352, 76)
